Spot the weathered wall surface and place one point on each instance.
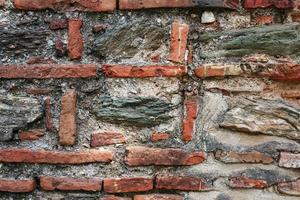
(150, 100)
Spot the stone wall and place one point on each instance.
(150, 99)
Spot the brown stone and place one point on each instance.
(15, 155)
(184, 183)
(75, 39)
(290, 188)
(48, 114)
(57, 24)
(113, 197)
(289, 160)
(38, 91)
(13, 185)
(122, 185)
(70, 184)
(107, 138)
(34, 134)
(143, 156)
(243, 157)
(67, 122)
(158, 197)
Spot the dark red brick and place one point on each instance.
(143, 156)
(40, 60)
(59, 47)
(75, 39)
(281, 4)
(122, 185)
(70, 184)
(57, 24)
(38, 91)
(184, 183)
(34, 134)
(13, 185)
(16, 155)
(107, 138)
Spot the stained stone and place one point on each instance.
(17, 112)
(270, 117)
(136, 111)
(208, 17)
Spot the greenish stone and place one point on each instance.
(136, 111)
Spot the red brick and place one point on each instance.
(284, 72)
(2, 3)
(295, 16)
(48, 114)
(155, 137)
(210, 71)
(107, 138)
(181, 183)
(289, 160)
(188, 124)
(40, 60)
(142, 4)
(158, 197)
(113, 197)
(57, 24)
(264, 19)
(143, 156)
(290, 188)
(179, 36)
(125, 71)
(59, 47)
(34, 134)
(14, 155)
(70, 184)
(85, 5)
(282, 4)
(245, 182)
(38, 91)
(47, 71)
(243, 157)
(291, 94)
(13, 185)
(122, 185)
(67, 121)
(75, 39)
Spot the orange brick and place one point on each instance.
(179, 36)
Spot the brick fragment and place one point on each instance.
(123, 71)
(67, 122)
(158, 197)
(217, 70)
(15, 155)
(155, 137)
(34, 134)
(47, 71)
(245, 182)
(40, 60)
(281, 4)
(57, 24)
(38, 91)
(291, 94)
(183, 183)
(113, 197)
(59, 47)
(2, 3)
(289, 160)
(13, 185)
(143, 156)
(107, 138)
(122, 185)
(179, 36)
(188, 124)
(283, 72)
(70, 184)
(243, 157)
(142, 4)
(99, 28)
(75, 39)
(290, 188)
(83, 5)
(264, 19)
(48, 114)
(295, 16)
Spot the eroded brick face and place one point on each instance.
(18, 186)
(75, 39)
(181, 183)
(124, 185)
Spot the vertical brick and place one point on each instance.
(123, 185)
(184, 183)
(107, 138)
(34, 134)
(188, 124)
(12, 185)
(48, 114)
(67, 125)
(70, 184)
(75, 39)
(179, 36)
(289, 160)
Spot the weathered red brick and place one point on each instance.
(264, 19)
(188, 124)
(13, 185)
(59, 47)
(291, 94)
(107, 138)
(184, 183)
(289, 160)
(15, 155)
(243, 157)
(142, 4)
(48, 114)
(158, 197)
(113, 197)
(245, 182)
(66, 183)
(143, 156)
(295, 16)
(34, 134)
(125, 71)
(281, 4)
(122, 185)
(56, 24)
(85, 5)
(217, 70)
(75, 39)
(290, 188)
(47, 71)
(179, 36)
(40, 60)
(38, 91)
(284, 72)
(67, 122)
(155, 137)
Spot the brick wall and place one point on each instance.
(150, 100)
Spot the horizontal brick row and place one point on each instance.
(110, 5)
